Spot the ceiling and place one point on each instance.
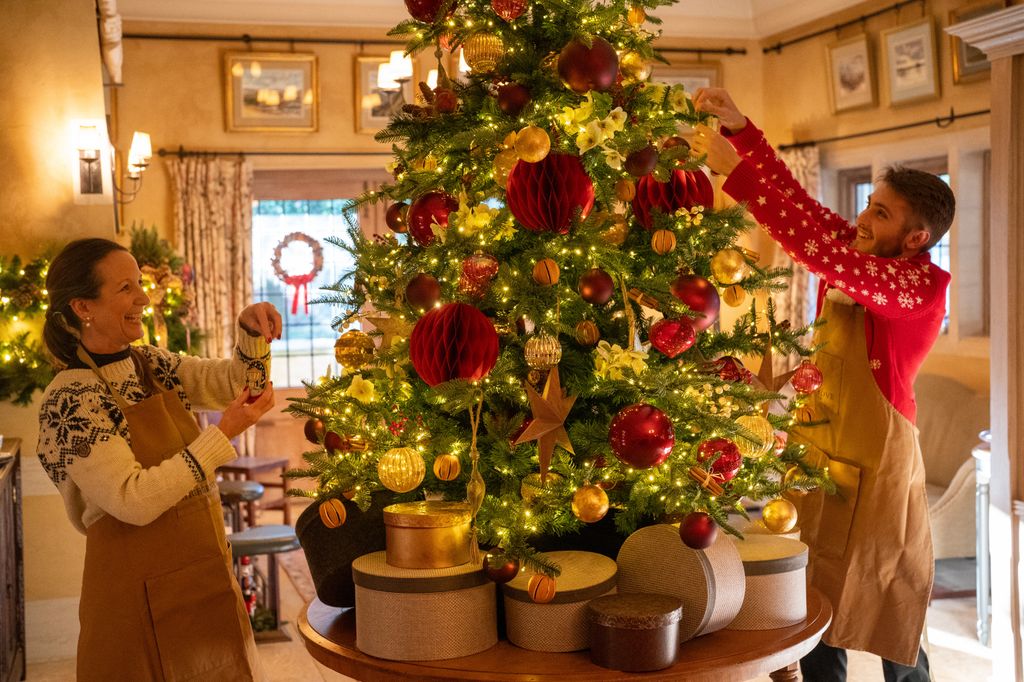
(736, 19)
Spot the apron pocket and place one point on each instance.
(196, 621)
(837, 510)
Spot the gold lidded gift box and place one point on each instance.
(430, 534)
(776, 590)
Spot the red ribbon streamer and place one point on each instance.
(300, 282)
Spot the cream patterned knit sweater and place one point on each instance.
(85, 447)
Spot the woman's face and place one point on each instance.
(115, 316)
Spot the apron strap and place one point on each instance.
(149, 383)
(84, 356)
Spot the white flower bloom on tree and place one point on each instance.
(590, 137)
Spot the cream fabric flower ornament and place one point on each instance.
(361, 389)
(613, 158)
(611, 361)
(472, 219)
(677, 99)
(590, 137)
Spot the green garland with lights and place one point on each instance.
(24, 365)
(167, 280)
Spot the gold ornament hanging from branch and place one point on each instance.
(353, 350)
(542, 351)
(401, 469)
(762, 431)
(483, 51)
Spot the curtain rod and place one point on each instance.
(182, 152)
(940, 121)
(703, 50)
(777, 47)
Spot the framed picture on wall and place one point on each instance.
(851, 71)
(271, 91)
(377, 102)
(970, 63)
(910, 62)
(691, 75)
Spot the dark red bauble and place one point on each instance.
(500, 568)
(333, 442)
(686, 189)
(430, 209)
(588, 68)
(445, 100)
(672, 337)
(642, 436)
(313, 430)
(426, 10)
(423, 291)
(512, 97)
(807, 378)
(728, 462)
(700, 296)
(698, 530)
(642, 161)
(477, 272)
(509, 10)
(455, 341)
(396, 217)
(596, 286)
(545, 196)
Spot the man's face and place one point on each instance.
(883, 226)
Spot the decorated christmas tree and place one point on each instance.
(546, 342)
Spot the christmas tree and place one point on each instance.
(550, 349)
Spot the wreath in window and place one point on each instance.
(302, 281)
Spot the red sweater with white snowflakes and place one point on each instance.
(904, 298)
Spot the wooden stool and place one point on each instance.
(270, 540)
(233, 493)
(246, 468)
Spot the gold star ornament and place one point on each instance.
(390, 328)
(550, 409)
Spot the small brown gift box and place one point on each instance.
(431, 534)
(406, 614)
(776, 595)
(634, 632)
(710, 582)
(561, 624)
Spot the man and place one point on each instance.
(884, 302)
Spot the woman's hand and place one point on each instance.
(240, 415)
(722, 158)
(261, 319)
(716, 101)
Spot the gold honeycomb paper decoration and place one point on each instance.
(483, 51)
(353, 350)
(401, 469)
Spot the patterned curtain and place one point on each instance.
(792, 304)
(213, 230)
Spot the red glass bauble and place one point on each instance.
(313, 430)
(426, 10)
(545, 196)
(430, 209)
(588, 68)
(700, 296)
(333, 442)
(729, 459)
(686, 189)
(729, 368)
(509, 10)
(423, 291)
(455, 341)
(642, 436)
(512, 97)
(500, 568)
(596, 286)
(698, 530)
(396, 217)
(477, 272)
(672, 337)
(807, 378)
(642, 161)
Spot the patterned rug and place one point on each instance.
(295, 566)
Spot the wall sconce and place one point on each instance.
(139, 154)
(91, 143)
(90, 171)
(392, 77)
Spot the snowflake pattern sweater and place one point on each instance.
(904, 298)
(85, 447)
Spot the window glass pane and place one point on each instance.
(306, 349)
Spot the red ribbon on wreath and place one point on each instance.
(300, 282)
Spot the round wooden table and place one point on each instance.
(723, 656)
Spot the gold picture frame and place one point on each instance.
(970, 63)
(911, 62)
(374, 107)
(691, 75)
(271, 92)
(851, 74)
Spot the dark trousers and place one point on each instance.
(828, 664)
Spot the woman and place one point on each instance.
(117, 437)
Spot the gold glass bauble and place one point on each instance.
(504, 161)
(447, 467)
(401, 469)
(532, 144)
(637, 16)
(794, 475)
(734, 295)
(587, 333)
(779, 516)
(729, 266)
(542, 351)
(483, 51)
(663, 242)
(763, 432)
(353, 350)
(590, 503)
(531, 485)
(634, 67)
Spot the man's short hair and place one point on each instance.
(931, 200)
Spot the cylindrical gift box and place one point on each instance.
(710, 582)
(776, 595)
(634, 632)
(430, 534)
(561, 624)
(423, 615)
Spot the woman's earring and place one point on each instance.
(88, 322)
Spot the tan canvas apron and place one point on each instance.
(870, 545)
(160, 602)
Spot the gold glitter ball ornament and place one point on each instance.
(590, 503)
(634, 67)
(636, 16)
(531, 485)
(729, 266)
(763, 432)
(401, 469)
(542, 351)
(532, 144)
(483, 51)
(779, 516)
(794, 475)
(353, 350)
(447, 467)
